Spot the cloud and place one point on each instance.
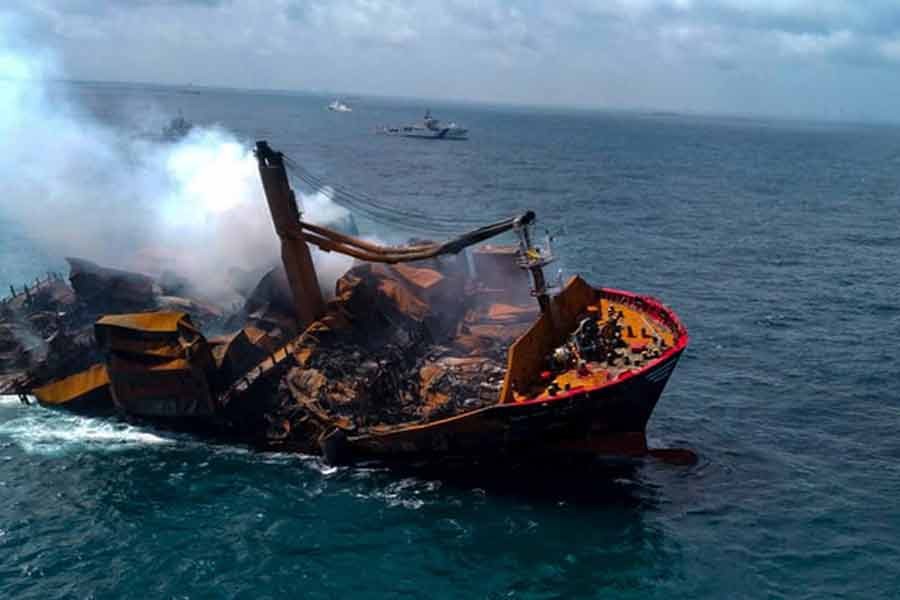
(890, 49)
(670, 53)
(368, 22)
(815, 29)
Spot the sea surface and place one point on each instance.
(777, 242)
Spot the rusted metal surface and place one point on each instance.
(610, 418)
(527, 355)
(604, 417)
(308, 302)
(236, 354)
(85, 390)
(110, 290)
(332, 241)
(389, 358)
(159, 365)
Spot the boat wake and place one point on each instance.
(48, 432)
(409, 493)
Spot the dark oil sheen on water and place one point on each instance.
(775, 241)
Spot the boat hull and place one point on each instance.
(607, 421)
(444, 134)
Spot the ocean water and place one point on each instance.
(777, 243)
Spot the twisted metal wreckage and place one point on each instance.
(420, 356)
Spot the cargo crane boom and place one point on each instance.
(295, 234)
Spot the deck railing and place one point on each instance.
(28, 290)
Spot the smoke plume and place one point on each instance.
(80, 187)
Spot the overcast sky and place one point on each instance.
(819, 58)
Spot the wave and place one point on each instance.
(39, 430)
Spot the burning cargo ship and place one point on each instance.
(416, 358)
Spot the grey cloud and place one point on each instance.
(817, 17)
(496, 24)
(298, 10)
(732, 31)
(100, 7)
(584, 51)
(369, 23)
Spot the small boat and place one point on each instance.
(176, 130)
(430, 128)
(338, 106)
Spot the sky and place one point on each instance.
(792, 58)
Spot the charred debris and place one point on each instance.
(420, 354)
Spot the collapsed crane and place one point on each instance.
(295, 234)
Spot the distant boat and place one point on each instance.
(430, 128)
(338, 106)
(177, 129)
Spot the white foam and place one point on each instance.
(10, 401)
(409, 493)
(43, 431)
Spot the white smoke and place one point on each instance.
(82, 188)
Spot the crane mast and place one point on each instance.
(295, 234)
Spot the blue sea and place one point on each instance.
(776, 242)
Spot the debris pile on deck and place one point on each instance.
(407, 344)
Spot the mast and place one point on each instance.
(533, 259)
(296, 234)
(298, 264)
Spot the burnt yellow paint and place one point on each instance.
(151, 322)
(528, 355)
(636, 320)
(73, 387)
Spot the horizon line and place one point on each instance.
(635, 109)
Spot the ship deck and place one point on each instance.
(396, 375)
(644, 338)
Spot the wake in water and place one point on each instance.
(39, 431)
(47, 432)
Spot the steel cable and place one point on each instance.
(379, 212)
